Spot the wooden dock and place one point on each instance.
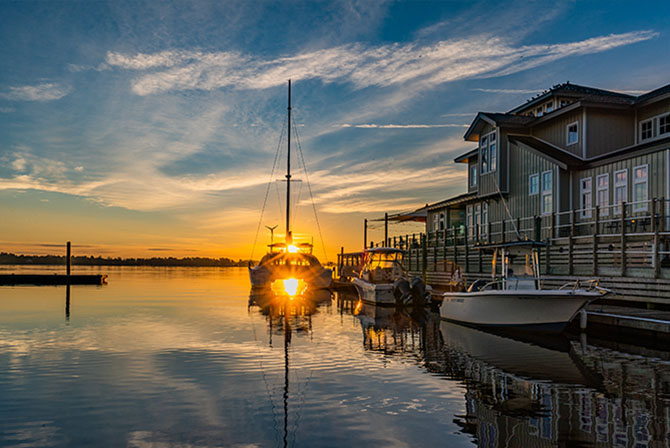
(52, 279)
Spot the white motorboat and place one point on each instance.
(383, 277)
(517, 300)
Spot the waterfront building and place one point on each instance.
(585, 169)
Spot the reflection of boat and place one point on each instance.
(513, 300)
(550, 361)
(271, 303)
(288, 260)
(383, 280)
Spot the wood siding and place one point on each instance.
(661, 107)
(657, 178)
(608, 130)
(554, 131)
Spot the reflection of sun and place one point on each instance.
(291, 286)
(292, 249)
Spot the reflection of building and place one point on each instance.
(511, 407)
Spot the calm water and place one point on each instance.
(172, 357)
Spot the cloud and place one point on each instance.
(403, 126)
(40, 92)
(424, 66)
(507, 90)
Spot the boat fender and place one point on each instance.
(418, 292)
(401, 291)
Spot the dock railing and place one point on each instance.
(627, 239)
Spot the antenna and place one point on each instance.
(272, 233)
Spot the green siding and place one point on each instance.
(608, 130)
(554, 131)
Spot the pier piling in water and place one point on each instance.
(68, 258)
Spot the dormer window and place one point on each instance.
(572, 133)
(548, 107)
(646, 129)
(538, 112)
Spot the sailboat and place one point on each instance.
(290, 267)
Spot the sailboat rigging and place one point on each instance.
(290, 263)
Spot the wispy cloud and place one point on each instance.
(41, 92)
(423, 65)
(506, 90)
(403, 126)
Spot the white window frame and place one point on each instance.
(478, 221)
(488, 146)
(637, 207)
(548, 107)
(484, 154)
(567, 133)
(530, 184)
(547, 192)
(493, 152)
(485, 218)
(619, 184)
(584, 211)
(653, 134)
(469, 219)
(435, 221)
(604, 208)
(473, 175)
(442, 223)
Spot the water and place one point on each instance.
(173, 357)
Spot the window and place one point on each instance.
(646, 129)
(547, 193)
(489, 153)
(435, 218)
(603, 193)
(548, 107)
(664, 124)
(640, 187)
(538, 112)
(478, 221)
(572, 133)
(563, 103)
(585, 203)
(485, 217)
(473, 176)
(620, 189)
(442, 221)
(533, 184)
(485, 155)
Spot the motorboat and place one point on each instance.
(383, 280)
(513, 300)
(290, 266)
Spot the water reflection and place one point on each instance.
(525, 391)
(286, 314)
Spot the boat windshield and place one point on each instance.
(384, 259)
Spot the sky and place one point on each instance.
(151, 128)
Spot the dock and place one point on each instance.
(52, 279)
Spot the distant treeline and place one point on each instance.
(7, 258)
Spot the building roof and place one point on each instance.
(654, 93)
(460, 199)
(575, 90)
(465, 158)
(496, 119)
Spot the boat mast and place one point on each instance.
(289, 238)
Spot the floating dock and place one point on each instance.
(52, 279)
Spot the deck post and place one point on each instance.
(596, 227)
(467, 251)
(518, 228)
(365, 233)
(386, 229)
(444, 249)
(623, 239)
(488, 232)
(340, 261)
(654, 227)
(394, 243)
(435, 245)
(454, 243)
(552, 235)
(68, 260)
(424, 256)
(573, 218)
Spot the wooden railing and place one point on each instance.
(629, 239)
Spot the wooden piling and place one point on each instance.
(68, 260)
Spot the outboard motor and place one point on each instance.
(402, 291)
(418, 292)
